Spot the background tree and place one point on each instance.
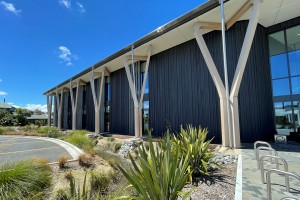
(22, 114)
(38, 112)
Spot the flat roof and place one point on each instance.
(180, 30)
(5, 106)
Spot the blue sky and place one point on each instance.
(44, 42)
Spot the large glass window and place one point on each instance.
(143, 68)
(284, 48)
(281, 87)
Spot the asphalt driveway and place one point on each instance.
(14, 148)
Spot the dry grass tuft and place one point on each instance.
(62, 161)
(85, 160)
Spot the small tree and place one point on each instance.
(22, 115)
(38, 112)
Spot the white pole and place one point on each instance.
(226, 74)
(132, 59)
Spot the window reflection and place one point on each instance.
(284, 119)
(284, 48)
(279, 66)
(296, 85)
(281, 87)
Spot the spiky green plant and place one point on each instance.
(158, 174)
(20, 179)
(192, 141)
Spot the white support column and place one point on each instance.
(59, 105)
(217, 81)
(74, 104)
(135, 100)
(49, 108)
(254, 17)
(141, 103)
(97, 104)
(138, 102)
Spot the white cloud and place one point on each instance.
(10, 7)
(66, 55)
(3, 93)
(66, 3)
(13, 105)
(81, 8)
(33, 107)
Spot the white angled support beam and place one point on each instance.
(254, 17)
(74, 104)
(245, 49)
(97, 104)
(143, 90)
(49, 109)
(209, 61)
(217, 81)
(245, 7)
(59, 106)
(145, 75)
(137, 116)
(210, 26)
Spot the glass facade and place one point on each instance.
(146, 99)
(284, 48)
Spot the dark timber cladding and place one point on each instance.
(121, 114)
(182, 91)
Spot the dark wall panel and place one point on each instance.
(121, 118)
(182, 90)
(90, 110)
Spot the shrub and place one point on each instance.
(50, 131)
(62, 194)
(158, 174)
(112, 159)
(85, 160)
(62, 161)
(110, 139)
(79, 139)
(193, 141)
(117, 146)
(100, 181)
(20, 179)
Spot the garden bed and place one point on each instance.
(220, 185)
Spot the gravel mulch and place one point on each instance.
(220, 185)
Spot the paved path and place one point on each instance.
(253, 189)
(13, 148)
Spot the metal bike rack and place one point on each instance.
(261, 143)
(262, 169)
(287, 183)
(270, 153)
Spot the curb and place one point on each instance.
(239, 180)
(74, 151)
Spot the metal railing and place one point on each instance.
(287, 183)
(262, 169)
(270, 150)
(262, 143)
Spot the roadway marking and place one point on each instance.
(5, 145)
(12, 152)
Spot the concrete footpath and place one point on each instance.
(253, 189)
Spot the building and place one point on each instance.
(7, 107)
(177, 77)
(38, 119)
